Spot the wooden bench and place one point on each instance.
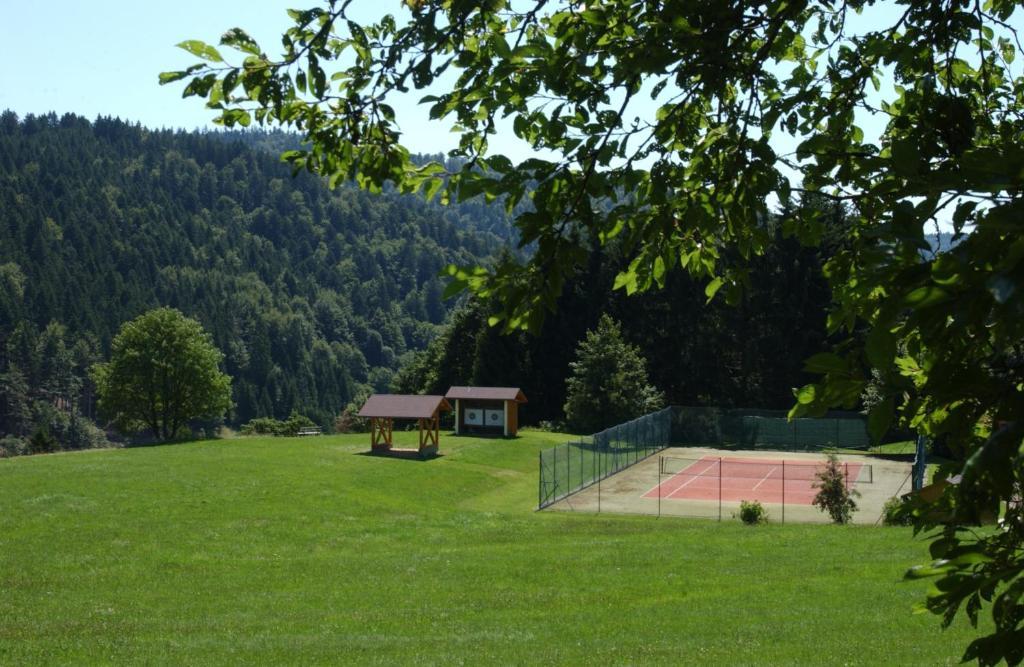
(308, 430)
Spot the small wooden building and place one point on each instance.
(383, 409)
(486, 410)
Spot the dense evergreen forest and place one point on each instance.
(314, 296)
(749, 354)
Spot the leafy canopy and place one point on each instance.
(665, 127)
(163, 371)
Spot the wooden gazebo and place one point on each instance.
(383, 409)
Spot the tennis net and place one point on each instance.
(715, 467)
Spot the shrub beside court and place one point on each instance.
(276, 550)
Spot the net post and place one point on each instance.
(719, 488)
(783, 491)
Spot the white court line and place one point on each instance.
(774, 468)
(684, 471)
(693, 479)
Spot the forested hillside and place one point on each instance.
(312, 295)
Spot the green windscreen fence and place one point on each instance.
(768, 429)
(576, 465)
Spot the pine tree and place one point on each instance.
(609, 383)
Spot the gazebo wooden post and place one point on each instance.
(380, 432)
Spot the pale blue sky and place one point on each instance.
(103, 57)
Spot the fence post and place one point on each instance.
(661, 464)
(719, 488)
(783, 491)
(540, 479)
(568, 469)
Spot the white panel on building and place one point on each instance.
(474, 417)
(495, 418)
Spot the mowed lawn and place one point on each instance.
(266, 551)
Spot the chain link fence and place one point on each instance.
(574, 466)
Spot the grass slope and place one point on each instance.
(305, 551)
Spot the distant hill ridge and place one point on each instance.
(314, 296)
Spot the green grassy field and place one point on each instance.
(306, 551)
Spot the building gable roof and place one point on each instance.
(486, 394)
(403, 406)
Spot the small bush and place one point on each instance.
(42, 442)
(349, 421)
(833, 496)
(12, 446)
(271, 426)
(261, 426)
(752, 512)
(896, 512)
(294, 422)
(552, 426)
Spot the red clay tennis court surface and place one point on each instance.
(735, 479)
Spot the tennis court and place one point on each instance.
(711, 483)
(739, 478)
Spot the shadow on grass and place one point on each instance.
(401, 455)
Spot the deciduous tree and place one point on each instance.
(163, 372)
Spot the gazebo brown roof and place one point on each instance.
(403, 406)
(383, 409)
(486, 394)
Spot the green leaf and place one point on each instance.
(905, 157)
(240, 39)
(433, 186)
(454, 288)
(826, 362)
(659, 270)
(880, 347)
(169, 77)
(879, 419)
(201, 49)
(805, 395)
(712, 288)
(925, 297)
